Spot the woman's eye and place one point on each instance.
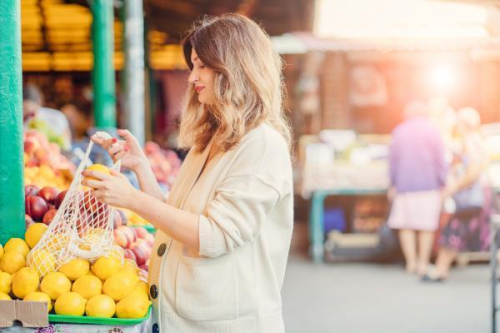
(201, 66)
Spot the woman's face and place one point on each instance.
(202, 77)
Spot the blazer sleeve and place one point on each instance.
(236, 214)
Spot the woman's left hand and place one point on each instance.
(114, 189)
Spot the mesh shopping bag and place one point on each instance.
(82, 227)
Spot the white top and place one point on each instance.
(245, 201)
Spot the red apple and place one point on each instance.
(123, 216)
(129, 254)
(141, 232)
(129, 233)
(31, 144)
(31, 190)
(117, 219)
(49, 216)
(141, 254)
(36, 207)
(92, 204)
(60, 198)
(49, 194)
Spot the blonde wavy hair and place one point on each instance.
(248, 88)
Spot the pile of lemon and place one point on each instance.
(104, 289)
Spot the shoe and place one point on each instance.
(428, 278)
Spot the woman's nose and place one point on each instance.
(192, 77)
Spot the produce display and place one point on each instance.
(44, 165)
(165, 163)
(111, 286)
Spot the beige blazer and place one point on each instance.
(245, 201)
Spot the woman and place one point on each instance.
(418, 174)
(467, 229)
(224, 233)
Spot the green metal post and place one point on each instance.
(104, 72)
(11, 124)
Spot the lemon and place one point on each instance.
(39, 297)
(75, 269)
(88, 286)
(4, 297)
(57, 241)
(1, 251)
(70, 304)
(24, 282)
(101, 306)
(17, 245)
(42, 260)
(34, 234)
(142, 287)
(11, 262)
(55, 284)
(99, 168)
(132, 306)
(5, 283)
(104, 267)
(119, 285)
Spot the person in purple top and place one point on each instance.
(418, 172)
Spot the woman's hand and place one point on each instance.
(129, 150)
(114, 189)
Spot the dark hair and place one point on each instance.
(33, 94)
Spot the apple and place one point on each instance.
(117, 219)
(28, 221)
(129, 254)
(129, 233)
(123, 216)
(31, 144)
(49, 216)
(49, 194)
(141, 254)
(31, 190)
(150, 239)
(60, 198)
(141, 232)
(36, 207)
(92, 204)
(121, 239)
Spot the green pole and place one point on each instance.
(11, 124)
(104, 72)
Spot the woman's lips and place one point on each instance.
(198, 89)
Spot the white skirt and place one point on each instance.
(416, 211)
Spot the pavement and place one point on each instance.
(371, 297)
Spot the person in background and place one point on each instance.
(417, 174)
(79, 117)
(51, 122)
(467, 229)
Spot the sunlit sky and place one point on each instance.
(399, 19)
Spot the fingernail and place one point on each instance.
(126, 148)
(114, 140)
